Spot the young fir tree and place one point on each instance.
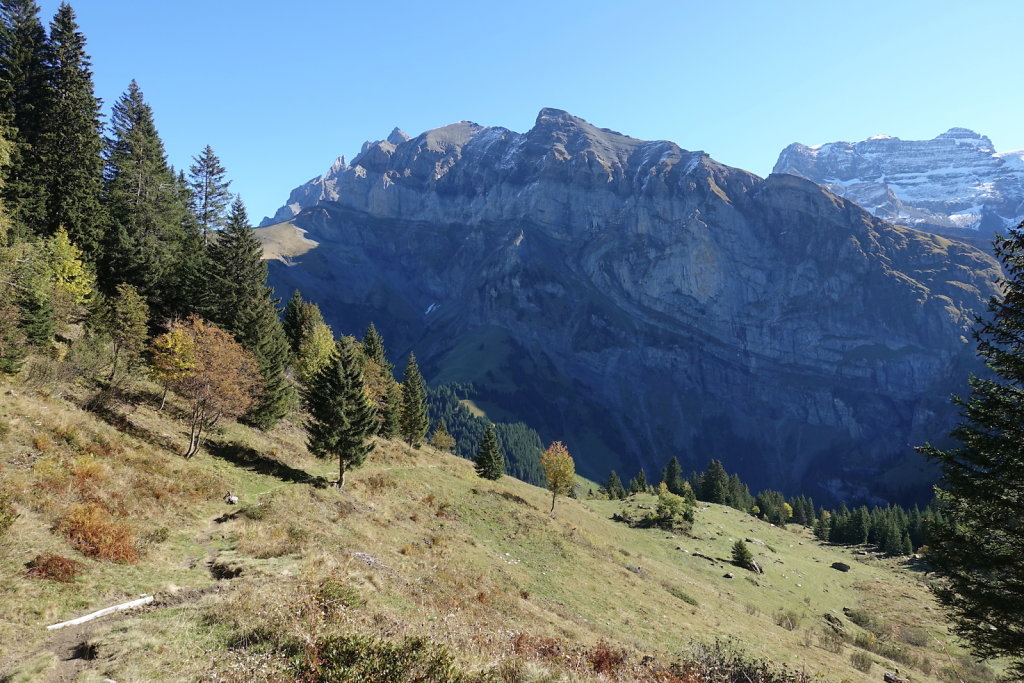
(714, 484)
(373, 347)
(295, 315)
(341, 421)
(144, 245)
(741, 555)
(414, 404)
(614, 486)
(24, 92)
(979, 546)
(208, 190)
(391, 421)
(245, 308)
(72, 133)
(490, 463)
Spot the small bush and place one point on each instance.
(787, 619)
(831, 641)
(7, 512)
(861, 661)
(334, 595)
(353, 657)
(90, 530)
(724, 662)
(863, 619)
(685, 597)
(606, 660)
(914, 636)
(53, 568)
(42, 443)
(257, 512)
(157, 536)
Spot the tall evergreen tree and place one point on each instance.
(71, 134)
(980, 546)
(490, 463)
(295, 314)
(24, 91)
(414, 421)
(341, 422)
(244, 308)
(209, 196)
(143, 246)
(614, 486)
(672, 475)
(714, 484)
(373, 347)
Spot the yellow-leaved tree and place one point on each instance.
(559, 469)
(172, 358)
(222, 382)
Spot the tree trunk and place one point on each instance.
(113, 363)
(163, 398)
(553, 496)
(341, 474)
(193, 437)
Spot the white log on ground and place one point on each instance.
(103, 612)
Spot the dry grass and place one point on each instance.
(93, 532)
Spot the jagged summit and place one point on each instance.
(954, 184)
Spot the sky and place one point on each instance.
(279, 90)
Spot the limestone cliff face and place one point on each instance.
(639, 301)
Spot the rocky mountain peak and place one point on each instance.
(397, 136)
(954, 184)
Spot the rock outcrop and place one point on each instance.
(639, 301)
(955, 184)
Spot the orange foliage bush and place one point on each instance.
(54, 568)
(90, 530)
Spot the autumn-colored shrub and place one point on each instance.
(91, 530)
(605, 659)
(53, 568)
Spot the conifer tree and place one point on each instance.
(979, 546)
(391, 420)
(373, 347)
(24, 91)
(741, 555)
(129, 324)
(614, 486)
(714, 484)
(144, 244)
(71, 133)
(295, 313)
(341, 421)
(244, 308)
(209, 196)
(490, 463)
(414, 404)
(673, 476)
(638, 484)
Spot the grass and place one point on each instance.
(417, 547)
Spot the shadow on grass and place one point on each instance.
(251, 459)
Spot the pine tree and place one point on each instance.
(490, 463)
(244, 308)
(614, 486)
(714, 484)
(414, 404)
(673, 476)
(209, 196)
(143, 246)
(341, 422)
(71, 132)
(980, 547)
(24, 91)
(373, 347)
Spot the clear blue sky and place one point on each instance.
(279, 89)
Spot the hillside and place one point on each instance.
(639, 301)
(417, 546)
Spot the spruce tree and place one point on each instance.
(714, 484)
(391, 423)
(373, 347)
(24, 93)
(979, 547)
(614, 486)
(672, 475)
(490, 463)
(143, 246)
(414, 404)
(209, 196)
(295, 313)
(341, 422)
(71, 133)
(245, 308)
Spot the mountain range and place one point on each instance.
(638, 301)
(955, 184)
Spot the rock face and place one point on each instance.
(955, 184)
(640, 301)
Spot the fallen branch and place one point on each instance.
(103, 612)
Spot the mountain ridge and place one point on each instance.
(639, 300)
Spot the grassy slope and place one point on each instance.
(426, 546)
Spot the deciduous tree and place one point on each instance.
(559, 469)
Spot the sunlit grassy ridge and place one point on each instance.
(417, 546)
